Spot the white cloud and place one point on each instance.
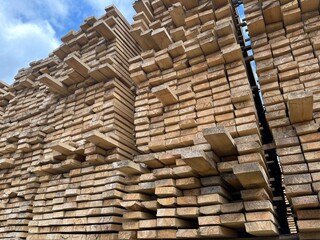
(25, 37)
(31, 29)
(23, 43)
(35, 10)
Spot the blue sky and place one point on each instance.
(31, 29)
(241, 10)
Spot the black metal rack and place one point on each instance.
(267, 138)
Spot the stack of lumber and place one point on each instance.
(285, 41)
(183, 76)
(22, 135)
(186, 196)
(5, 96)
(62, 118)
(84, 204)
(150, 130)
(196, 123)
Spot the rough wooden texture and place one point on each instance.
(165, 95)
(151, 130)
(285, 50)
(220, 140)
(53, 84)
(300, 106)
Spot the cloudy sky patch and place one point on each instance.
(31, 29)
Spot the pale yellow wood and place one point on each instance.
(300, 106)
(220, 140)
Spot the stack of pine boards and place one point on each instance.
(22, 134)
(196, 123)
(104, 141)
(80, 198)
(66, 120)
(285, 37)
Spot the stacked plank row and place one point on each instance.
(22, 135)
(104, 141)
(173, 78)
(285, 42)
(196, 122)
(84, 204)
(64, 116)
(98, 130)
